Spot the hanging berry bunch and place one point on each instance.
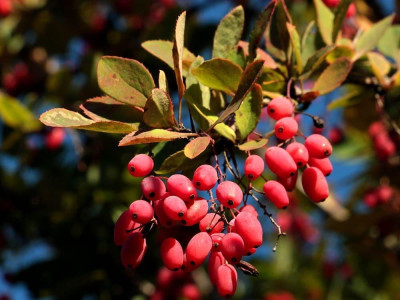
(224, 98)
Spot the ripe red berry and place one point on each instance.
(141, 211)
(331, 3)
(250, 209)
(279, 108)
(229, 194)
(253, 167)
(384, 193)
(55, 138)
(189, 291)
(323, 164)
(226, 280)
(318, 146)
(249, 228)
(140, 165)
(196, 210)
(123, 227)
(315, 185)
(249, 251)
(174, 207)
(198, 248)
(376, 128)
(162, 217)
(181, 186)
(232, 247)
(171, 254)
(205, 177)
(216, 240)
(133, 250)
(335, 135)
(370, 199)
(6, 7)
(286, 128)
(351, 11)
(153, 188)
(211, 223)
(214, 262)
(299, 153)
(289, 182)
(280, 162)
(276, 192)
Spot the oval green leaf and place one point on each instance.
(153, 136)
(196, 146)
(158, 112)
(253, 145)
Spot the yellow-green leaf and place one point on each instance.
(325, 19)
(333, 76)
(153, 136)
(159, 112)
(177, 52)
(253, 145)
(196, 146)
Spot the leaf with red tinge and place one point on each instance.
(333, 76)
(126, 80)
(60, 117)
(163, 50)
(253, 145)
(197, 146)
(259, 28)
(248, 78)
(153, 136)
(107, 109)
(177, 52)
(308, 96)
(261, 54)
(158, 112)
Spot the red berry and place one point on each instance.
(371, 199)
(198, 248)
(280, 162)
(162, 217)
(6, 8)
(289, 182)
(318, 146)
(335, 136)
(141, 165)
(123, 227)
(249, 251)
(249, 228)
(376, 128)
(253, 167)
(196, 210)
(205, 177)
(226, 280)
(331, 3)
(181, 186)
(55, 138)
(211, 223)
(141, 211)
(384, 193)
(299, 153)
(276, 192)
(324, 164)
(250, 209)
(190, 291)
(229, 194)
(214, 262)
(279, 108)
(172, 254)
(216, 240)
(174, 207)
(315, 185)
(153, 188)
(286, 128)
(351, 11)
(232, 247)
(133, 250)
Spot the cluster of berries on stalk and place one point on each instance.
(223, 228)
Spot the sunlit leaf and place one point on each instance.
(60, 117)
(196, 146)
(333, 76)
(153, 136)
(177, 52)
(296, 46)
(253, 145)
(125, 80)
(389, 44)
(162, 82)
(325, 18)
(228, 32)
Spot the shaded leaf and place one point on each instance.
(125, 80)
(308, 96)
(196, 146)
(108, 109)
(317, 59)
(380, 66)
(259, 29)
(219, 74)
(325, 19)
(248, 114)
(228, 33)
(159, 112)
(338, 52)
(60, 117)
(179, 162)
(16, 115)
(153, 136)
(333, 76)
(370, 38)
(273, 81)
(163, 50)
(295, 42)
(340, 15)
(261, 54)
(177, 52)
(248, 78)
(253, 145)
(353, 94)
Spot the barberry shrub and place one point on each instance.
(224, 97)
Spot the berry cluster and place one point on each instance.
(380, 195)
(224, 228)
(383, 144)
